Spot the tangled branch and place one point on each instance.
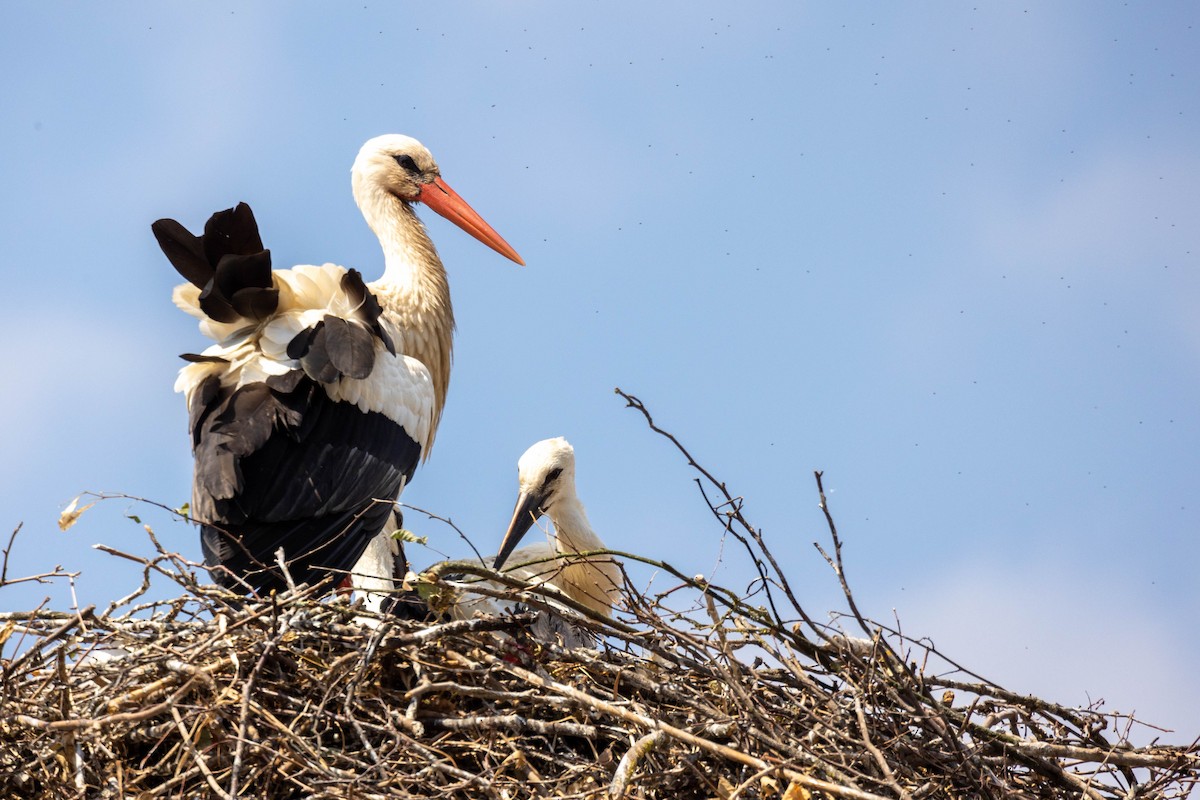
(696, 691)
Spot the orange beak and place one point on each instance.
(445, 201)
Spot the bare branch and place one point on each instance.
(697, 690)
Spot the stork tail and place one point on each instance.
(227, 263)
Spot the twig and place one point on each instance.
(185, 738)
(8, 549)
(295, 696)
(677, 733)
(629, 762)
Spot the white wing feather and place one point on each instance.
(399, 387)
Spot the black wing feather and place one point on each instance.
(334, 348)
(369, 310)
(315, 360)
(293, 469)
(203, 402)
(350, 347)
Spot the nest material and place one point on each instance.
(695, 691)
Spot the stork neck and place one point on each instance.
(414, 291)
(593, 581)
(572, 531)
(411, 263)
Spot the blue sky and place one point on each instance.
(946, 253)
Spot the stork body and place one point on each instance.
(321, 393)
(546, 478)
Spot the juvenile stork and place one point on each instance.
(322, 393)
(546, 480)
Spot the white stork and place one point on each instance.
(322, 393)
(546, 480)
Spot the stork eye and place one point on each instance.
(407, 164)
(552, 475)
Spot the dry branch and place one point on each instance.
(696, 691)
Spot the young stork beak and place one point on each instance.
(445, 201)
(529, 508)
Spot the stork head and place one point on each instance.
(400, 166)
(546, 476)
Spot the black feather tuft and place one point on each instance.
(231, 232)
(298, 346)
(315, 361)
(254, 302)
(215, 305)
(349, 346)
(368, 309)
(286, 382)
(248, 283)
(228, 264)
(237, 271)
(334, 348)
(356, 289)
(184, 251)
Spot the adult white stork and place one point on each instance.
(546, 480)
(322, 393)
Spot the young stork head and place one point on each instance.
(546, 482)
(546, 475)
(400, 167)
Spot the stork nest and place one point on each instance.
(694, 691)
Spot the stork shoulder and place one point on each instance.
(326, 322)
(399, 387)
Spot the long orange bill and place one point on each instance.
(445, 201)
